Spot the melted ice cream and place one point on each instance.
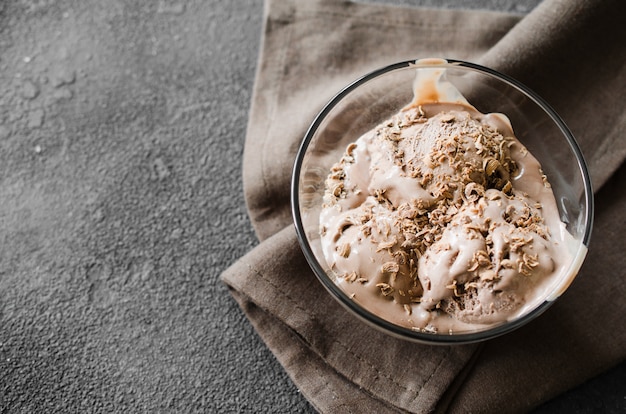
(439, 219)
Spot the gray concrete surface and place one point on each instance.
(121, 133)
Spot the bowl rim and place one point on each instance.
(360, 311)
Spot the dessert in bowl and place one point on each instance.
(441, 201)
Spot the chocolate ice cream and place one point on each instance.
(440, 220)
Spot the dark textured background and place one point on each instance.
(122, 128)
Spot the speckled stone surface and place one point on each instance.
(121, 136)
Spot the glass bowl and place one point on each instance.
(368, 101)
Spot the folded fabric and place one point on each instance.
(567, 51)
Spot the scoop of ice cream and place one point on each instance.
(435, 157)
(368, 251)
(489, 259)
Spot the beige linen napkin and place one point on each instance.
(572, 53)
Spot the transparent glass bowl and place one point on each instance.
(368, 101)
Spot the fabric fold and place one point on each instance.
(342, 364)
